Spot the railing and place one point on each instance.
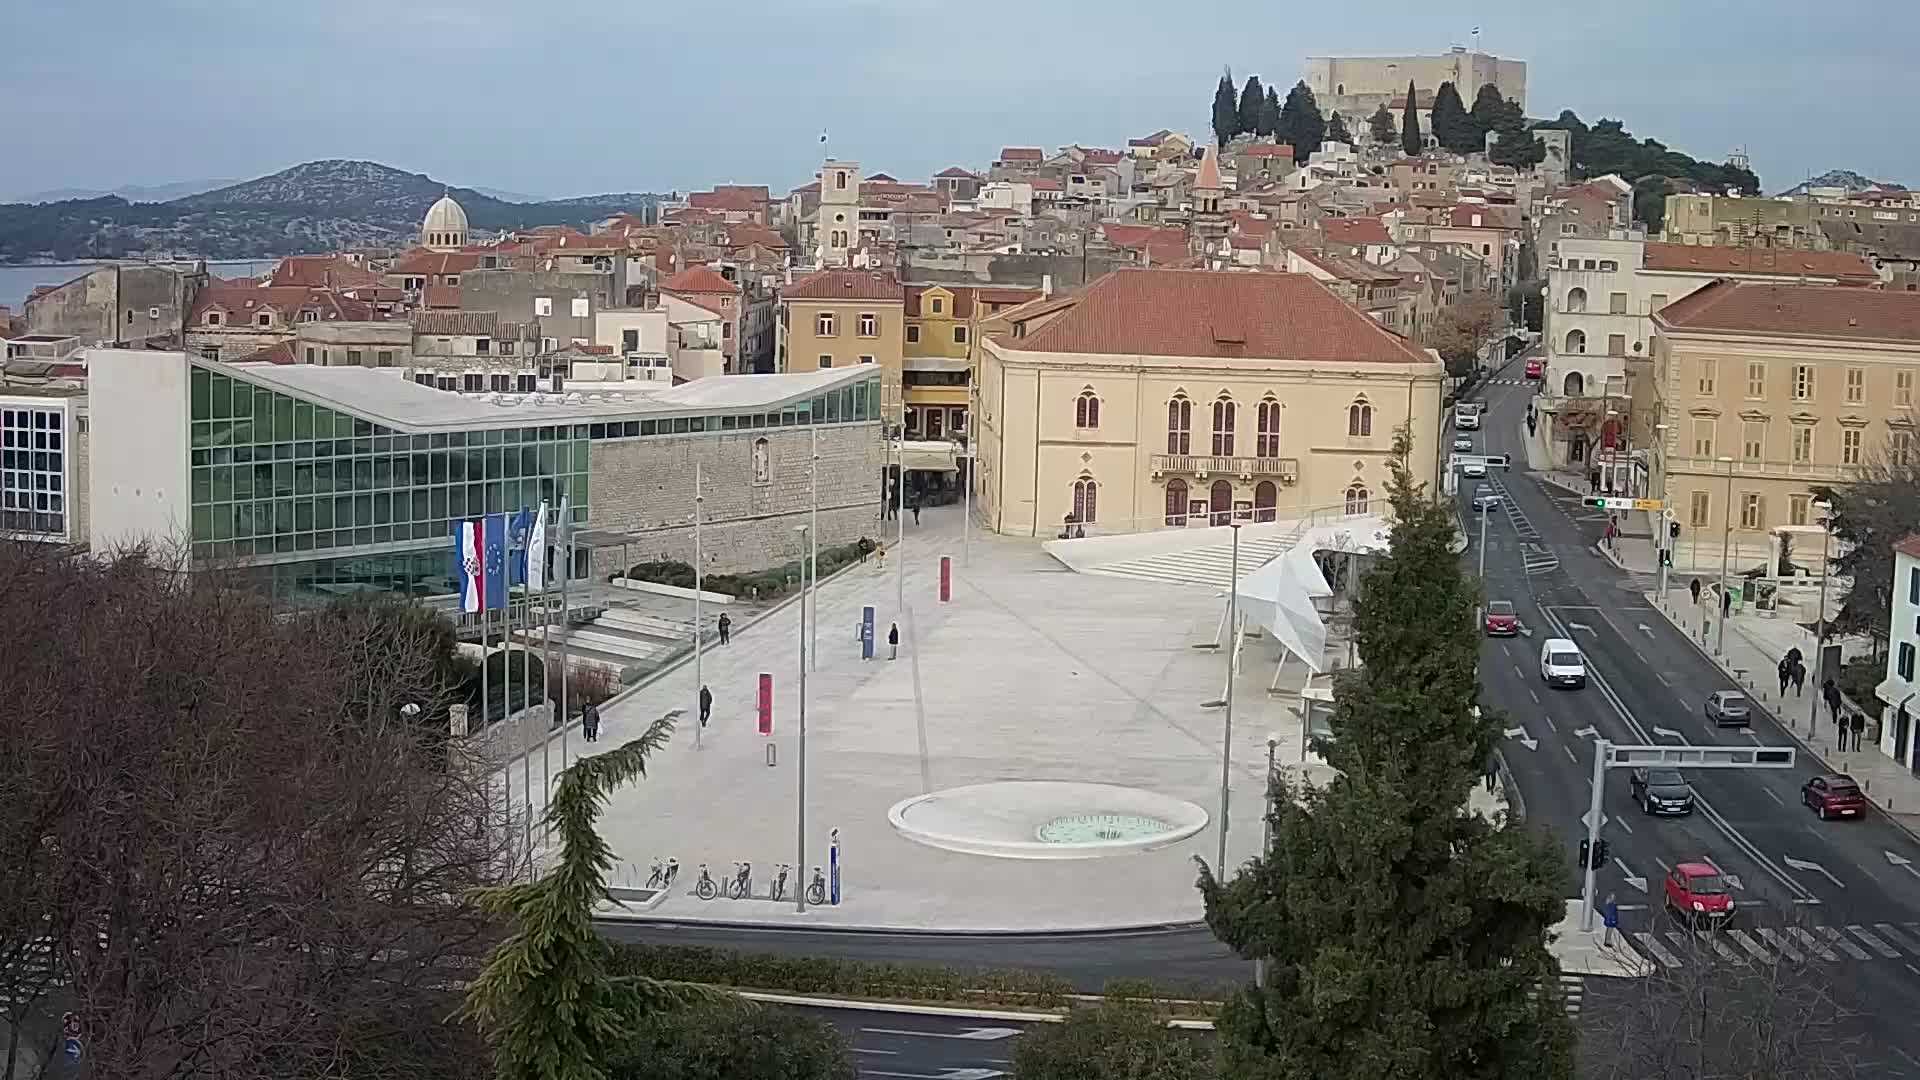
(1805, 470)
(1287, 469)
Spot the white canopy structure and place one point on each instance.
(1279, 596)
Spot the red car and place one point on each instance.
(1834, 796)
(1536, 369)
(1501, 620)
(1698, 894)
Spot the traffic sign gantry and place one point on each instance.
(1609, 502)
(1491, 461)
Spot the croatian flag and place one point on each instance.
(469, 564)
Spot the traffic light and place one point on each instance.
(1595, 858)
(1594, 501)
(1600, 855)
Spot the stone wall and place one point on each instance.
(644, 487)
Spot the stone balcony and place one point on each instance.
(1286, 470)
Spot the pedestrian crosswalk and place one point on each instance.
(1510, 381)
(1573, 992)
(1854, 942)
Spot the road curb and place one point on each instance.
(1125, 930)
(957, 1011)
(1786, 726)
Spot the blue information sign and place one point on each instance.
(866, 632)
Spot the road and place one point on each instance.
(1831, 893)
(904, 1046)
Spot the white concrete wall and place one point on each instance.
(608, 324)
(140, 436)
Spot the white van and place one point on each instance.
(1561, 663)
(1466, 416)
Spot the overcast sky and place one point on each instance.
(570, 97)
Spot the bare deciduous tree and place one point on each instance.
(246, 860)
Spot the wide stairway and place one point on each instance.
(633, 644)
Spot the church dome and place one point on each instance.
(445, 225)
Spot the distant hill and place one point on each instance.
(313, 207)
(129, 192)
(1846, 179)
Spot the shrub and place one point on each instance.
(586, 684)
(767, 584)
(832, 975)
(1115, 1041)
(731, 1040)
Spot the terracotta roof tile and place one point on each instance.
(1264, 150)
(955, 173)
(1209, 177)
(729, 198)
(421, 262)
(1841, 265)
(699, 279)
(322, 272)
(1022, 153)
(241, 303)
(1097, 156)
(1204, 313)
(1044, 184)
(280, 352)
(844, 285)
(1829, 312)
(1356, 231)
(1910, 547)
(457, 323)
(441, 296)
(1139, 236)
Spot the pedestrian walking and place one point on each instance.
(916, 513)
(1490, 772)
(590, 723)
(726, 628)
(893, 641)
(1859, 727)
(1831, 695)
(1799, 677)
(706, 705)
(1785, 670)
(1694, 588)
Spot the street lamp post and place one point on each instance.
(1663, 539)
(1825, 510)
(800, 784)
(699, 561)
(1233, 655)
(1266, 845)
(812, 598)
(1485, 513)
(1726, 541)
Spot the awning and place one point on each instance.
(929, 456)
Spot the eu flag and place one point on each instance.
(494, 530)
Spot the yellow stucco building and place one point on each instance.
(1181, 398)
(943, 324)
(839, 318)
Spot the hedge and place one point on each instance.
(764, 584)
(859, 979)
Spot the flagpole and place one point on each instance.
(566, 552)
(546, 620)
(811, 596)
(699, 679)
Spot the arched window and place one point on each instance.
(1223, 415)
(1576, 299)
(762, 462)
(1220, 503)
(1176, 502)
(1360, 419)
(1086, 500)
(1574, 385)
(1179, 425)
(1266, 442)
(1576, 341)
(1357, 498)
(1086, 410)
(1265, 498)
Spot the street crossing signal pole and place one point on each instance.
(1592, 845)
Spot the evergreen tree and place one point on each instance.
(1516, 145)
(1337, 130)
(1382, 127)
(1487, 107)
(1410, 140)
(1301, 124)
(1226, 114)
(1405, 936)
(1450, 124)
(1270, 113)
(1253, 98)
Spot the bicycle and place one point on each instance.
(817, 891)
(778, 891)
(662, 876)
(703, 887)
(741, 887)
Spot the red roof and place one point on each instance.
(1209, 178)
(1840, 265)
(739, 236)
(1205, 313)
(748, 200)
(1044, 184)
(699, 279)
(844, 285)
(1830, 312)
(243, 302)
(1021, 153)
(421, 262)
(1100, 157)
(441, 296)
(1140, 236)
(1910, 547)
(1355, 231)
(322, 272)
(280, 352)
(1265, 150)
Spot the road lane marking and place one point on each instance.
(1652, 947)
(1780, 945)
(978, 1034)
(1663, 865)
(1774, 797)
(1874, 943)
(1836, 938)
(1622, 822)
(1569, 751)
(1811, 944)
(1741, 939)
(1517, 673)
(1534, 695)
(1891, 934)
(1662, 678)
(1551, 726)
(870, 1050)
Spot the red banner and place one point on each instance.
(766, 704)
(946, 578)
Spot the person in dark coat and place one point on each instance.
(893, 641)
(1858, 725)
(1831, 695)
(590, 723)
(1694, 588)
(1799, 677)
(1490, 772)
(706, 705)
(726, 628)
(1784, 669)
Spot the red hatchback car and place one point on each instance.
(1501, 619)
(1536, 369)
(1834, 796)
(1698, 894)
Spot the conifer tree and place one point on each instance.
(1337, 130)
(1381, 126)
(1405, 936)
(1451, 127)
(1226, 114)
(1253, 98)
(1301, 124)
(1487, 109)
(1270, 113)
(1410, 140)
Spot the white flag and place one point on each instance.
(537, 551)
(563, 562)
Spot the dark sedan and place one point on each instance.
(1834, 796)
(1661, 791)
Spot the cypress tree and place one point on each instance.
(1270, 113)
(1410, 140)
(1337, 130)
(1382, 127)
(1405, 936)
(1450, 124)
(1253, 98)
(1487, 106)
(1301, 123)
(1226, 115)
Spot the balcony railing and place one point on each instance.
(1287, 469)
(1783, 470)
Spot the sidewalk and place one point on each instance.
(1754, 645)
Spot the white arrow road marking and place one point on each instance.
(1580, 626)
(1647, 630)
(1902, 863)
(1802, 864)
(1584, 733)
(984, 1034)
(1669, 733)
(1632, 882)
(1526, 740)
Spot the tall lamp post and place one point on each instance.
(800, 784)
(1663, 539)
(1825, 510)
(699, 584)
(1266, 844)
(1233, 656)
(1726, 541)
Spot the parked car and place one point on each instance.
(1661, 791)
(1729, 708)
(1834, 795)
(1536, 368)
(1561, 663)
(1696, 893)
(1501, 619)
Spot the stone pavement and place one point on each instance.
(1031, 672)
(1754, 645)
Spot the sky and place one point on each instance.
(570, 97)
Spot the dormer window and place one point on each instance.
(213, 318)
(265, 318)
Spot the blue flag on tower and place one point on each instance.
(494, 588)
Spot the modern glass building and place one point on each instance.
(321, 481)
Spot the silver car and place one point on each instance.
(1729, 708)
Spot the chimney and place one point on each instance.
(1046, 285)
